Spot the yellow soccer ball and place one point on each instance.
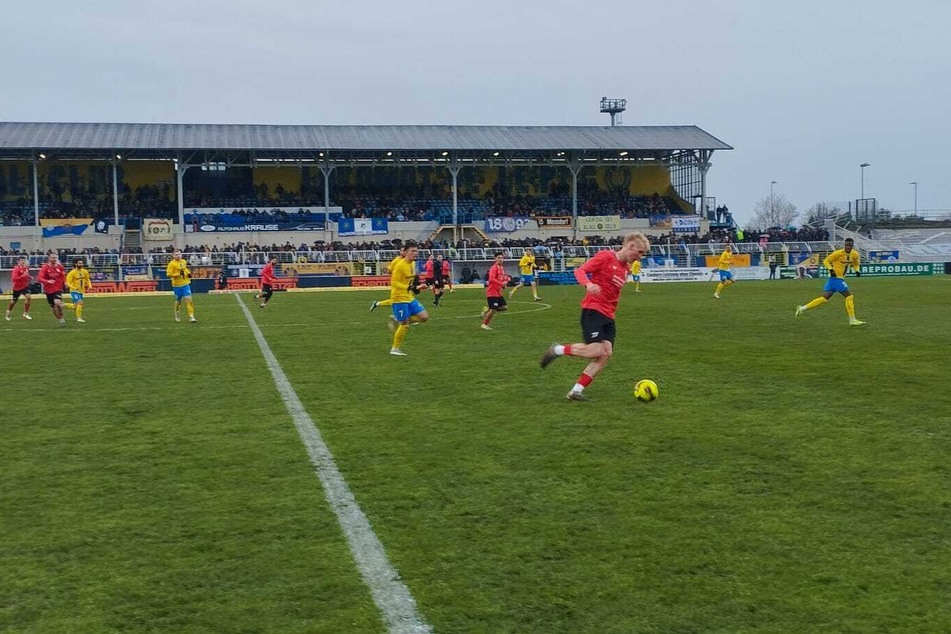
(645, 390)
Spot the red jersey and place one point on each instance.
(267, 274)
(20, 277)
(52, 277)
(445, 268)
(610, 274)
(497, 281)
(428, 267)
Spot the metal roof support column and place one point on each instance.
(454, 169)
(36, 194)
(326, 169)
(704, 167)
(180, 189)
(115, 191)
(574, 166)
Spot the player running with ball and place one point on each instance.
(603, 277)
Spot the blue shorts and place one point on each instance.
(725, 275)
(405, 310)
(835, 285)
(181, 292)
(528, 279)
(636, 278)
(77, 296)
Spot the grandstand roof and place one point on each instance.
(20, 137)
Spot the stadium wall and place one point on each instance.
(30, 238)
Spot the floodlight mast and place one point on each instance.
(613, 107)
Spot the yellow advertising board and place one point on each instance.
(739, 259)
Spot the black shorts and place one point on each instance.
(20, 293)
(52, 297)
(266, 289)
(439, 282)
(596, 327)
(495, 303)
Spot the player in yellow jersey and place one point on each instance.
(78, 283)
(403, 287)
(177, 271)
(723, 266)
(838, 262)
(636, 275)
(526, 267)
(388, 269)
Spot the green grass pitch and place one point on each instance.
(793, 476)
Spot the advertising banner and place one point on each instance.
(214, 226)
(63, 227)
(362, 226)
(893, 270)
(496, 224)
(660, 221)
(671, 274)
(599, 223)
(296, 269)
(883, 256)
(686, 224)
(553, 222)
(156, 229)
(739, 259)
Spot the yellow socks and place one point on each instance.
(850, 306)
(399, 335)
(385, 302)
(819, 301)
(79, 311)
(190, 308)
(719, 288)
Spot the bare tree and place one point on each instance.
(824, 211)
(774, 211)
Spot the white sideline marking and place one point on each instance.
(536, 307)
(392, 597)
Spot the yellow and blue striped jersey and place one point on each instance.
(726, 260)
(401, 277)
(840, 261)
(77, 281)
(178, 272)
(527, 264)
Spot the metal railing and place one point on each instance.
(682, 254)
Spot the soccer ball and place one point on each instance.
(645, 390)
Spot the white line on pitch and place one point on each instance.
(537, 307)
(392, 597)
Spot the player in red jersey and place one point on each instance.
(52, 277)
(497, 279)
(20, 278)
(428, 272)
(603, 277)
(267, 281)
(447, 273)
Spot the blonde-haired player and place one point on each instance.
(608, 275)
(177, 271)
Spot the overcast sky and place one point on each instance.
(805, 91)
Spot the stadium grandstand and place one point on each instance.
(124, 194)
(449, 174)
